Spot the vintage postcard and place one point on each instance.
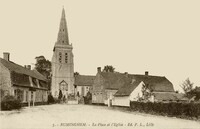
(110, 64)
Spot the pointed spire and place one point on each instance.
(63, 13)
(63, 33)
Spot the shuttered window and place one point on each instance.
(66, 57)
(60, 57)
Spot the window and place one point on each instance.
(66, 57)
(15, 93)
(63, 41)
(19, 94)
(31, 95)
(56, 93)
(63, 86)
(60, 57)
(34, 82)
(26, 96)
(42, 95)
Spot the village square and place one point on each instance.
(52, 94)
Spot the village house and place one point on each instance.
(145, 88)
(83, 87)
(106, 84)
(113, 88)
(83, 84)
(27, 85)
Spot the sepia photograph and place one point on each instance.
(99, 64)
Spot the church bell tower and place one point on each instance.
(62, 62)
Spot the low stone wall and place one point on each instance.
(25, 104)
(72, 102)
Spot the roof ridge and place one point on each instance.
(14, 63)
(146, 75)
(133, 74)
(86, 75)
(21, 70)
(11, 62)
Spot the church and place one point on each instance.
(62, 62)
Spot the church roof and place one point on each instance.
(84, 80)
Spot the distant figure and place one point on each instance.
(60, 95)
(64, 99)
(50, 99)
(78, 94)
(88, 98)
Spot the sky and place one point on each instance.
(161, 37)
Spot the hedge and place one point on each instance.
(188, 110)
(10, 103)
(50, 99)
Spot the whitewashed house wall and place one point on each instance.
(137, 92)
(125, 100)
(109, 96)
(121, 101)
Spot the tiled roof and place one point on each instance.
(114, 80)
(20, 75)
(21, 70)
(84, 80)
(168, 96)
(19, 79)
(126, 83)
(126, 90)
(156, 83)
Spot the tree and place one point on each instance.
(187, 86)
(194, 93)
(109, 68)
(147, 92)
(190, 91)
(43, 66)
(10, 102)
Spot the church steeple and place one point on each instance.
(62, 62)
(63, 33)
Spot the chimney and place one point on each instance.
(28, 67)
(6, 56)
(146, 73)
(126, 73)
(98, 69)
